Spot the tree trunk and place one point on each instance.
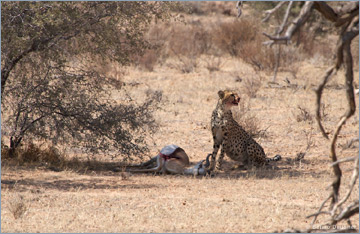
(14, 143)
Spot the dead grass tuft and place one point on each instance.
(251, 86)
(304, 115)
(213, 63)
(148, 60)
(33, 153)
(17, 206)
(30, 154)
(185, 64)
(257, 55)
(4, 150)
(248, 121)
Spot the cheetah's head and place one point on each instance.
(229, 98)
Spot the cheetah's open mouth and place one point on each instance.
(235, 102)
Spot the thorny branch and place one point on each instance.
(347, 19)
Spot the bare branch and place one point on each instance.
(268, 13)
(330, 72)
(349, 211)
(319, 211)
(345, 160)
(296, 24)
(239, 4)
(342, 16)
(353, 181)
(278, 32)
(317, 214)
(275, 40)
(286, 17)
(345, 39)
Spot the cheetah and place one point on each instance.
(232, 138)
(174, 160)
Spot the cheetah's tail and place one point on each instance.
(274, 159)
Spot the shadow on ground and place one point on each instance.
(113, 178)
(71, 185)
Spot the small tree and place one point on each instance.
(49, 87)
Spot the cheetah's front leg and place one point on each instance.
(222, 152)
(221, 158)
(217, 139)
(213, 155)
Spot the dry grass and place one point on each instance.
(248, 120)
(231, 36)
(148, 60)
(251, 85)
(213, 63)
(304, 115)
(17, 206)
(96, 199)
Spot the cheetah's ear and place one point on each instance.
(221, 94)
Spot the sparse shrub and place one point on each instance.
(324, 111)
(17, 206)
(242, 38)
(4, 151)
(194, 7)
(231, 36)
(158, 35)
(186, 43)
(260, 57)
(31, 153)
(148, 60)
(213, 63)
(251, 86)
(351, 143)
(207, 8)
(185, 64)
(189, 39)
(248, 121)
(304, 115)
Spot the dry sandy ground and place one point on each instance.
(233, 201)
(68, 202)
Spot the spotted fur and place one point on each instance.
(232, 138)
